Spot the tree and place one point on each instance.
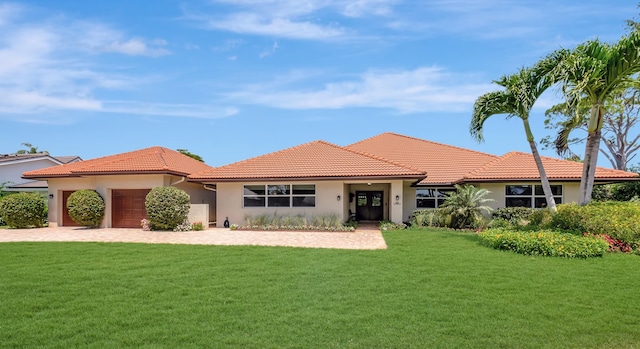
(622, 111)
(30, 149)
(521, 92)
(190, 154)
(466, 205)
(593, 70)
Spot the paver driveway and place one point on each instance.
(364, 238)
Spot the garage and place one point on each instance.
(127, 207)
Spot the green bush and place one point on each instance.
(514, 215)
(431, 217)
(465, 207)
(86, 207)
(167, 207)
(544, 243)
(620, 220)
(24, 210)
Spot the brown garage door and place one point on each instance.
(127, 207)
(66, 219)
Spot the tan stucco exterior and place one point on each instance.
(105, 184)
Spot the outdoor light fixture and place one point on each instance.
(50, 196)
(368, 183)
(397, 197)
(338, 197)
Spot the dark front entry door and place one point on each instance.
(66, 219)
(369, 206)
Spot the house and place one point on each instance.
(12, 166)
(385, 177)
(123, 181)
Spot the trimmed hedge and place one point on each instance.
(167, 207)
(544, 243)
(514, 215)
(86, 207)
(24, 210)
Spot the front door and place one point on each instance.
(369, 206)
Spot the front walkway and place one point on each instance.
(364, 238)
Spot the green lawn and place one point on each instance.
(428, 290)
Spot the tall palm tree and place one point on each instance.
(593, 70)
(521, 90)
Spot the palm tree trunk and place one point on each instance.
(546, 187)
(591, 154)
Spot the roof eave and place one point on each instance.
(302, 178)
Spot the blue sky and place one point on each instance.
(230, 80)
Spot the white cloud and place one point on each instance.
(165, 109)
(410, 91)
(253, 23)
(8, 12)
(98, 37)
(137, 47)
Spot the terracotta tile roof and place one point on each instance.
(310, 160)
(521, 166)
(444, 164)
(148, 160)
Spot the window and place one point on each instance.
(280, 195)
(530, 195)
(432, 197)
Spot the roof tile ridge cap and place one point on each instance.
(488, 164)
(161, 153)
(380, 158)
(366, 139)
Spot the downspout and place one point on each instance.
(210, 189)
(179, 181)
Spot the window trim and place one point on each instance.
(291, 196)
(533, 196)
(436, 199)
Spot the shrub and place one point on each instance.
(167, 207)
(24, 210)
(620, 220)
(514, 215)
(330, 222)
(544, 243)
(388, 225)
(86, 207)
(197, 226)
(569, 217)
(432, 217)
(466, 205)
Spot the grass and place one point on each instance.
(430, 289)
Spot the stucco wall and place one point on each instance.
(105, 184)
(230, 205)
(11, 172)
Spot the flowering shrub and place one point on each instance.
(619, 220)
(615, 245)
(197, 226)
(184, 226)
(234, 227)
(544, 243)
(146, 224)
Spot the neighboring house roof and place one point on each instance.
(444, 164)
(521, 166)
(317, 159)
(144, 161)
(9, 158)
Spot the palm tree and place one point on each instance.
(594, 70)
(521, 92)
(466, 205)
(30, 149)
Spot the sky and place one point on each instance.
(233, 79)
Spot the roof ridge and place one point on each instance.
(381, 158)
(271, 153)
(424, 141)
(489, 164)
(122, 156)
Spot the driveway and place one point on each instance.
(364, 238)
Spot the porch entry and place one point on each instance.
(369, 206)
